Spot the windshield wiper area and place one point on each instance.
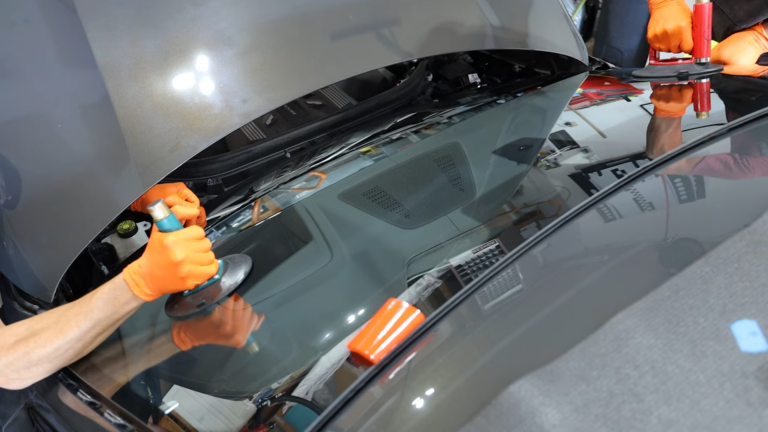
(288, 141)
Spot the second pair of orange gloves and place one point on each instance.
(670, 30)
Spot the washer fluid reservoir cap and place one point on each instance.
(127, 229)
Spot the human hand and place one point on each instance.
(172, 262)
(739, 52)
(670, 28)
(671, 100)
(184, 203)
(229, 324)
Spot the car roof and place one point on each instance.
(101, 100)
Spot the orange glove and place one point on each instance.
(174, 194)
(172, 262)
(670, 28)
(739, 52)
(671, 100)
(230, 324)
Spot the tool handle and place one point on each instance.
(164, 218)
(702, 101)
(702, 31)
(653, 56)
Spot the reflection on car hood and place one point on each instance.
(102, 100)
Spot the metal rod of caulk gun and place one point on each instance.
(166, 221)
(702, 53)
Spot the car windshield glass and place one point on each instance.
(644, 310)
(418, 208)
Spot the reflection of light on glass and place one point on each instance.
(202, 63)
(399, 330)
(361, 311)
(394, 372)
(327, 336)
(183, 81)
(429, 392)
(418, 403)
(351, 319)
(168, 407)
(206, 86)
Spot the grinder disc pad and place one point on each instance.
(235, 270)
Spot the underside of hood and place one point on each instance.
(102, 99)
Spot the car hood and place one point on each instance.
(101, 100)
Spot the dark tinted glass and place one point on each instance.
(642, 312)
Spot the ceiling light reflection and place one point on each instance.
(430, 392)
(351, 319)
(202, 63)
(418, 403)
(206, 86)
(184, 81)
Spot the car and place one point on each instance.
(641, 309)
(356, 153)
(376, 138)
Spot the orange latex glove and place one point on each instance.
(670, 28)
(229, 324)
(172, 262)
(739, 52)
(671, 100)
(174, 194)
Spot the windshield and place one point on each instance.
(380, 216)
(420, 213)
(643, 311)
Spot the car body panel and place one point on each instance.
(91, 116)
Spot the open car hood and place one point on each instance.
(102, 100)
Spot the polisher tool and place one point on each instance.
(233, 270)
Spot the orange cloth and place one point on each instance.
(671, 100)
(229, 324)
(670, 28)
(172, 262)
(174, 194)
(739, 52)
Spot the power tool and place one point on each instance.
(233, 270)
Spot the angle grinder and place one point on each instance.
(233, 270)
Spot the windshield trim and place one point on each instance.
(324, 420)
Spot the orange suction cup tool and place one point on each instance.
(388, 327)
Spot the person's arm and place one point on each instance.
(731, 166)
(664, 134)
(665, 131)
(172, 262)
(35, 348)
(109, 367)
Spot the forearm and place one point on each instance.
(111, 366)
(34, 348)
(663, 135)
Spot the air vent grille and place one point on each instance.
(386, 201)
(451, 172)
(418, 191)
